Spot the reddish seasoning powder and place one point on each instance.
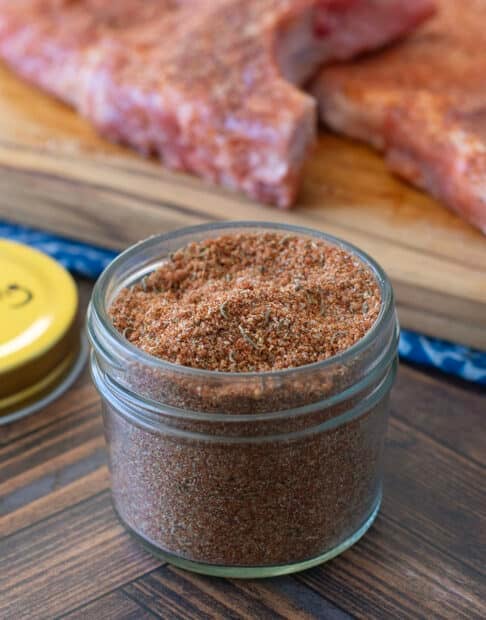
(248, 302)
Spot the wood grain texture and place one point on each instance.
(172, 592)
(56, 173)
(64, 554)
(112, 606)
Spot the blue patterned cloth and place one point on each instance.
(88, 261)
(80, 258)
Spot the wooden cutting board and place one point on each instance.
(56, 174)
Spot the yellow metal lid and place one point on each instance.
(38, 339)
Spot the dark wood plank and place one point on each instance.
(113, 606)
(54, 501)
(453, 415)
(53, 449)
(393, 573)
(436, 494)
(67, 560)
(173, 593)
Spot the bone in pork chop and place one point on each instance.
(206, 85)
(423, 102)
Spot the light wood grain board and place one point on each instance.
(57, 174)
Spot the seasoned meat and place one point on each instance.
(209, 86)
(422, 102)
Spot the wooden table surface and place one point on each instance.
(64, 554)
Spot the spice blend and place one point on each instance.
(250, 302)
(280, 501)
(205, 474)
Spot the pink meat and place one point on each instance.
(209, 86)
(423, 103)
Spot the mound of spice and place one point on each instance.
(250, 302)
(251, 490)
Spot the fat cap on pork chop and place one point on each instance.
(422, 102)
(209, 86)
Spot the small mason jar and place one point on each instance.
(242, 474)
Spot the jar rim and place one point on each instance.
(98, 308)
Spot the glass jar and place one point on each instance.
(242, 474)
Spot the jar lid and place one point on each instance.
(38, 338)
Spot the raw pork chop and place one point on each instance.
(207, 85)
(423, 102)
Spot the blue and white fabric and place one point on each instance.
(88, 261)
(79, 258)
